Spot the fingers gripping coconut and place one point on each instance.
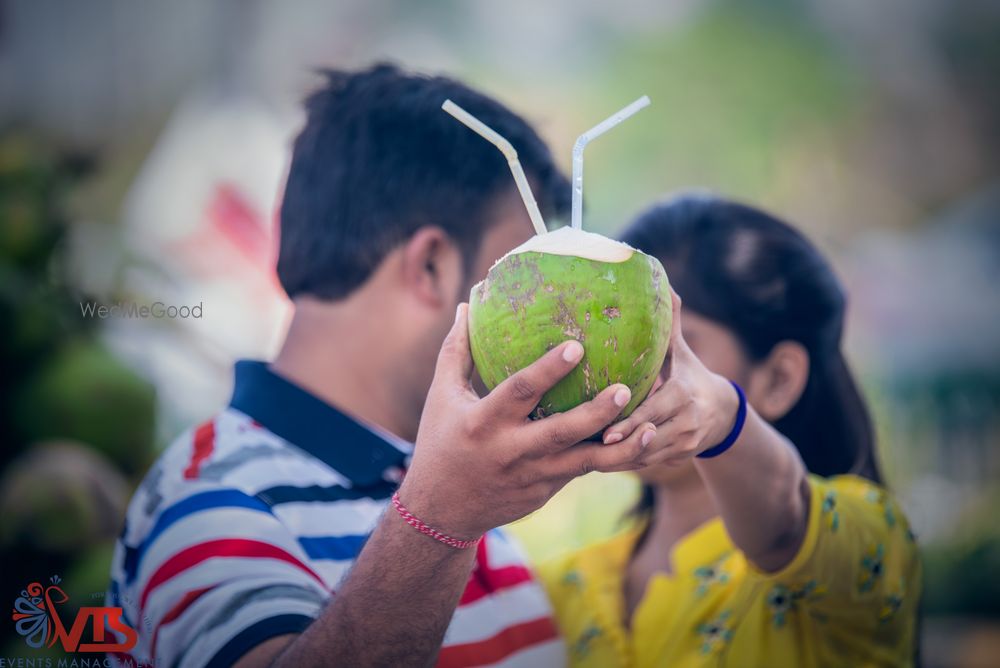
(693, 408)
(480, 463)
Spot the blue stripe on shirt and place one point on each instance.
(221, 498)
(323, 494)
(332, 547)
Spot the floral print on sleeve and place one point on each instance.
(716, 633)
(871, 568)
(829, 510)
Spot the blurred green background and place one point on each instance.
(142, 148)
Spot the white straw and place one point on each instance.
(508, 150)
(581, 143)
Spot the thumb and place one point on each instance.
(454, 363)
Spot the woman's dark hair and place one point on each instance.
(765, 282)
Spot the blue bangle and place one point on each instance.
(727, 442)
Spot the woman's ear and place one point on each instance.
(777, 383)
(432, 269)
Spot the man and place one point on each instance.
(261, 538)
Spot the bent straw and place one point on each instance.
(581, 143)
(507, 149)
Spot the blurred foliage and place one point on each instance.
(84, 392)
(35, 314)
(960, 574)
(58, 381)
(74, 422)
(960, 577)
(59, 497)
(734, 93)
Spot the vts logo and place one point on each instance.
(38, 621)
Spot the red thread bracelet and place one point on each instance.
(415, 522)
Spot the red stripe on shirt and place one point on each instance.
(204, 443)
(489, 582)
(228, 547)
(510, 640)
(485, 580)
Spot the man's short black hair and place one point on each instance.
(378, 159)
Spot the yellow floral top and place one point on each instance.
(848, 598)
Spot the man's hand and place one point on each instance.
(481, 463)
(693, 408)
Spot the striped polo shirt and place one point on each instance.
(245, 526)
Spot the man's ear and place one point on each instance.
(432, 268)
(777, 383)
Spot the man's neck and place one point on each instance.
(338, 355)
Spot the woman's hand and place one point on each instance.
(759, 486)
(692, 408)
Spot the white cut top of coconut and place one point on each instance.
(576, 243)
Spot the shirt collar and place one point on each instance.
(353, 449)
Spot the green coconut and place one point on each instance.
(571, 284)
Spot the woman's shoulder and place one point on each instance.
(854, 503)
(858, 528)
(865, 500)
(851, 484)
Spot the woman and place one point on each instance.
(764, 536)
